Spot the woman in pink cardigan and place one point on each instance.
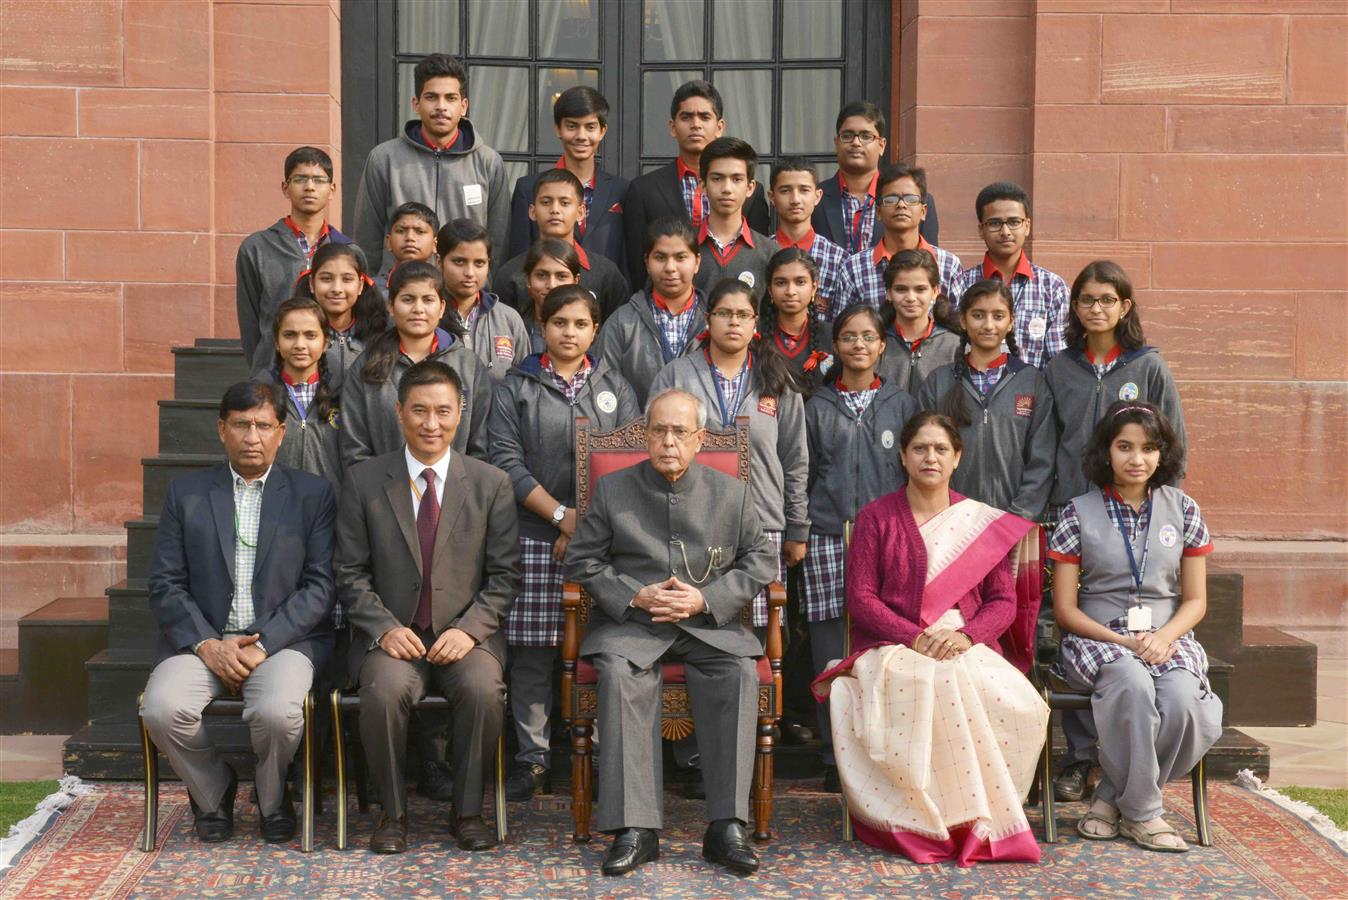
(936, 735)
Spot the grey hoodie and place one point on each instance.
(467, 182)
(532, 431)
(311, 441)
(1080, 399)
(907, 369)
(853, 461)
(779, 458)
(499, 338)
(1010, 442)
(631, 342)
(370, 411)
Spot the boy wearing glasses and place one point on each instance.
(270, 260)
(846, 211)
(901, 211)
(727, 245)
(1040, 297)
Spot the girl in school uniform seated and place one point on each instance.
(356, 312)
(661, 322)
(492, 329)
(370, 389)
(1129, 585)
(532, 436)
(920, 332)
(789, 321)
(852, 423)
(549, 263)
(1005, 415)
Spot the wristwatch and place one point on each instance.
(558, 514)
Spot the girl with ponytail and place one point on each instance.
(354, 309)
(920, 331)
(301, 366)
(788, 317)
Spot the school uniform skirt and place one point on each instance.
(536, 618)
(823, 571)
(761, 601)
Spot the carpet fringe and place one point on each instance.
(21, 834)
(1304, 811)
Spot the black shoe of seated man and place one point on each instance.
(631, 847)
(218, 825)
(435, 781)
(694, 788)
(832, 783)
(794, 732)
(471, 832)
(279, 827)
(727, 843)
(1069, 785)
(390, 835)
(526, 779)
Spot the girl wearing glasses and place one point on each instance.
(852, 422)
(789, 317)
(736, 373)
(920, 332)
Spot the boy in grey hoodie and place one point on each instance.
(438, 160)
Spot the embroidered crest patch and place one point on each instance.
(767, 406)
(505, 347)
(1025, 405)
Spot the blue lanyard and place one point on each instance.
(728, 415)
(1138, 570)
(665, 350)
(295, 398)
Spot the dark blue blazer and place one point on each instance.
(828, 217)
(192, 576)
(603, 228)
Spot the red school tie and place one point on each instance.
(428, 518)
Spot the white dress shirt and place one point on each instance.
(417, 484)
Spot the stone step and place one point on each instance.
(189, 426)
(54, 642)
(131, 625)
(1220, 631)
(202, 372)
(115, 678)
(162, 469)
(1274, 682)
(11, 697)
(140, 538)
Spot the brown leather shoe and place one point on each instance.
(390, 835)
(471, 832)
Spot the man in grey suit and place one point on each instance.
(427, 568)
(671, 551)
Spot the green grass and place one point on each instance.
(18, 798)
(1333, 802)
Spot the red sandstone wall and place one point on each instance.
(139, 141)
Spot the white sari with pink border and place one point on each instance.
(936, 757)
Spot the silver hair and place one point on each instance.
(700, 406)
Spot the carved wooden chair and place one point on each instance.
(597, 454)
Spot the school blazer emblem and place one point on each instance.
(505, 347)
(1025, 405)
(768, 406)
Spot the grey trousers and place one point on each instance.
(1078, 728)
(273, 709)
(828, 640)
(1151, 730)
(723, 690)
(530, 674)
(476, 694)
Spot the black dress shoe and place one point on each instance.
(471, 832)
(390, 835)
(279, 827)
(694, 788)
(1069, 785)
(795, 733)
(727, 843)
(435, 781)
(832, 783)
(218, 824)
(631, 847)
(526, 779)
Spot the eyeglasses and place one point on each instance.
(896, 199)
(315, 180)
(242, 426)
(1106, 302)
(681, 434)
(861, 137)
(995, 225)
(847, 340)
(734, 315)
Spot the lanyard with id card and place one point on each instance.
(1139, 616)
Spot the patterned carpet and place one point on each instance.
(89, 851)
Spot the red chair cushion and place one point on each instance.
(672, 671)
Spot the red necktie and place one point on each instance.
(428, 518)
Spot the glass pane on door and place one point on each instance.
(551, 83)
(741, 29)
(427, 26)
(671, 30)
(568, 29)
(498, 28)
(810, 100)
(502, 94)
(812, 29)
(657, 92)
(748, 105)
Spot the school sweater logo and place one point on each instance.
(747, 278)
(1168, 536)
(1025, 405)
(1128, 391)
(606, 401)
(768, 406)
(887, 439)
(505, 348)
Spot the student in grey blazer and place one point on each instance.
(427, 568)
(671, 551)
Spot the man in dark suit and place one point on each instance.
(241, 585)
(427, 569)
(580, 117)
(671, 551)
(695, 120)
(846, 211)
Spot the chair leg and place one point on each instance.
(307, 823)
(763, 780)
(151, 752)
(358, 767)
(1046, 785)
(1200, 781)
(501, 831)
(339, 746)
(581, 773)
